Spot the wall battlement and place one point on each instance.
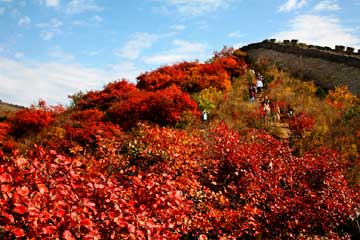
(325, 66)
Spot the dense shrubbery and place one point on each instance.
(124, 104)
(168, 183)
(76, 174)
(164, 107)
(301, 123)
(29, 121)
(193, 76)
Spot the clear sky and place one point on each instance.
(50, 49)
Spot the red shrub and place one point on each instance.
(91, 115)
(167, 106)
(88, 125)
(29, 121)
(162, 107)
(190, 77)
(113, 92)
(52, 196)
(163, 77)
(166, 183)
(4, 130)
(301, 123)
(233, 66)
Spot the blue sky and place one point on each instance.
(50, 49)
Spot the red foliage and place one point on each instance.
(166, 183)
(301, 123)
(124, 104)
(87, 126)
(29, 121)
(160, 183)
(4, 130)
(233, 66)
(164, 76)
(261, 189)
(8, 146)
(113, 92)
(162, 107)
(248, 189)
(193, 76)
(72, 202)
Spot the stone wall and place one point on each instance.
(325, 66)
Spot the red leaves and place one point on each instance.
(48, 230)
(18, 232)
(9, 217)
(102, 100)
(91, 115)
(5, 188)
(193, 76)
(4, 130)
(6, 178)
(301, 123)
(162, 107)
(172, 183)
(21, 162)
(60, 213)
(21, 193)
(67, 235)
(30, 120)
(86, 223)
(42, 188)
(20, 209)
(131, 228)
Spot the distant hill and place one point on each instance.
(8, 107)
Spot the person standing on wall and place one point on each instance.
(204, 116)
(252, 92)
(259, 83)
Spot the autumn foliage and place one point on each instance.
(301, 123)
(164, 107)
(117, 165)
(167, 183)
(124, 104)
(193, 76)
(30, 121)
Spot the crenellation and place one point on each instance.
(350, 50)
(294, 42)
(339, 48)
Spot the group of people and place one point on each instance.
(271, 112)
(256, 88)
(275, 111)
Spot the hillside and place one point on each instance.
(8, 108)
(136, 161)
(327, 67)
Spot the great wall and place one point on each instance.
(325, 66)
